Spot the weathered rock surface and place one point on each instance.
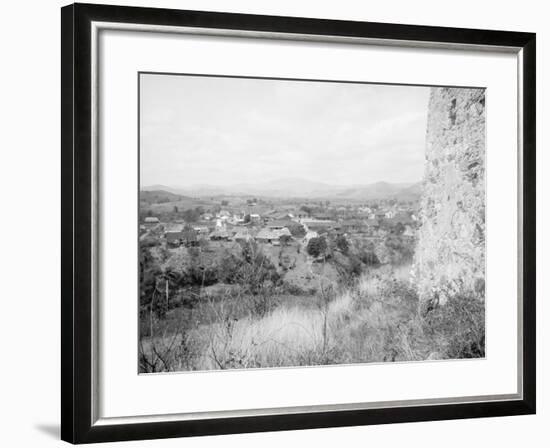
(450, 256)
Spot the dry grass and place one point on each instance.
(374, 320)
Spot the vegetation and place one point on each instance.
(317, 246)
(337, 298)
(373, 320)
(342, 244)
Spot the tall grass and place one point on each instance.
(375, 319)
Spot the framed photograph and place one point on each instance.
(276, 223)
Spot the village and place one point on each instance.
(285, 224)
(210, 263)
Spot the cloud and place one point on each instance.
(220, 131)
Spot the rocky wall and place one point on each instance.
(450, 255)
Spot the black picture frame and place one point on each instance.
(76, 218)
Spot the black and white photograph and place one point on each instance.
(287, 223)
(275, 224)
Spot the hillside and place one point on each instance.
(379, 190)
(159, 196)
(301, 188)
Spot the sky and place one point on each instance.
(197, 130)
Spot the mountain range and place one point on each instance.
(300, 188)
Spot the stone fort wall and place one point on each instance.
(450, 256)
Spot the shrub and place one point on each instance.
(294, 290)
(263, 301)
(355, 266)
(399, 250)
(228, 268)
(458, 327)
(199, 275)
(148, 272)
(368, 257)
(256, 269)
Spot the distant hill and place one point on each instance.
(301, 188)
(410, 193)
(159, 196)
(378, 190)
(159, 188)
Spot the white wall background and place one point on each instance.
(30, 209)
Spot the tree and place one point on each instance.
(369, 257)
(170, 278)
(154, 284)
(399, 228)
(225, 203)
(317, 246)
(400, 250)
(148, 271)
(247, 218)
(342, 244)
(192, 214)
(297, 230)
(256, 272)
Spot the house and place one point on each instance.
(255, 218)
(236, 220)
(352, 225)
(201, 230)
(284, 216)
(207, 216)
(242, 234)
(317, 225)
(220, 234)
(283, 232)
(151, 221)
(174, 227)
(279, 224)
(266, 235)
